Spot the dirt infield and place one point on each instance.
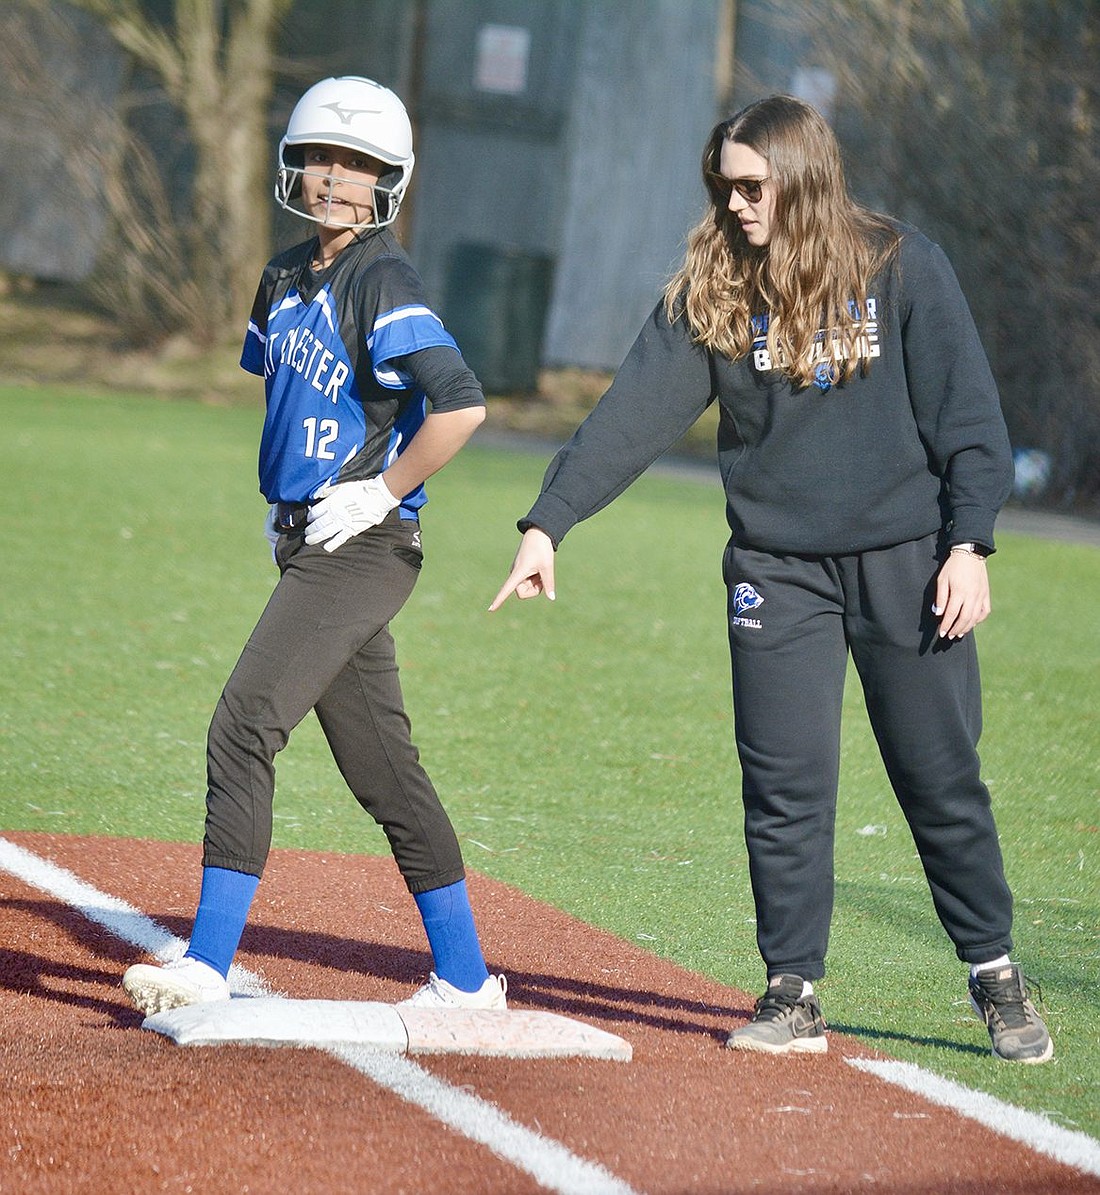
(90, 1102)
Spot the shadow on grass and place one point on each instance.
(885, 1036)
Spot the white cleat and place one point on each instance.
(186, 981)
(438, 993)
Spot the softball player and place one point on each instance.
(351, 354)
(864, 458)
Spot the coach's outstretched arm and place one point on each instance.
(532, 570)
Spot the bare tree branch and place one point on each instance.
(216, 66)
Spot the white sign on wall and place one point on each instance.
(503, 52)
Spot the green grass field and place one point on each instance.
(584, 749)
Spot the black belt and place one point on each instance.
(289, 515)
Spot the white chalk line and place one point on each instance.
(1068, 1146)
(549, 1162)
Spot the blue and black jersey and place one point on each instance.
(336, 349)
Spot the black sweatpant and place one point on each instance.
(792, 622)
(323, 643)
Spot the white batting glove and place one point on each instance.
(346, 509)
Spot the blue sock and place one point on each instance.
(449, 924)
(224, 902)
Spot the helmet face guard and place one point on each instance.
(353, 113)
(385, 196)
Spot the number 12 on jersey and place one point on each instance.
(320, 433)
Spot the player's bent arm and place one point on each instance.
(440, 437)
(532, 570)
(351, 507)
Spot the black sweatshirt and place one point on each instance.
(915, 445)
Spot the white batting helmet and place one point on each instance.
(355, 113)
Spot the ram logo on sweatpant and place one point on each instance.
(746, 598)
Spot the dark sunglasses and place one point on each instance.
(750, 189)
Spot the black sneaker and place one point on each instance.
(783, 1023)
(999, 997)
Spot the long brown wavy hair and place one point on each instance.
(814, 273)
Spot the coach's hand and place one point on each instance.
(532, 571)
(962, 594)
(346, 509)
